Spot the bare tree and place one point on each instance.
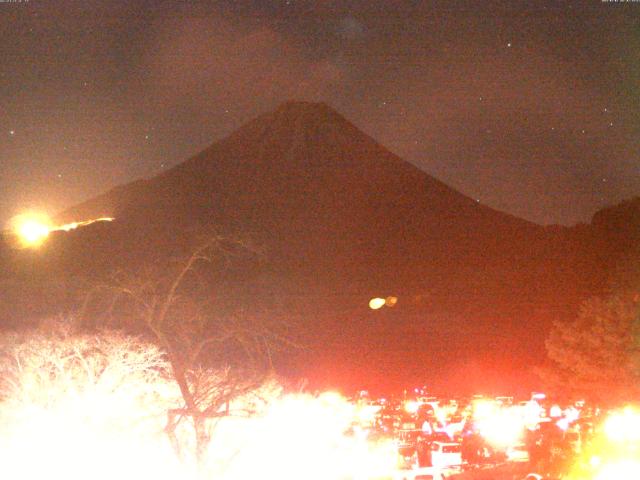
(42, 366)
(80, 405)
(215, 357)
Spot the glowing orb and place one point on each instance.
(376, 303)
(391, 301)
(31, 230)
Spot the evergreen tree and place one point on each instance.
(597, 355)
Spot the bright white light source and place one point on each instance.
(622, 470)
(31, 229)
(623, 426)
(376, 303)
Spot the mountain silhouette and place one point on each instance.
(340, 220)
(324, 197)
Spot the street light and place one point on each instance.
(378, 302)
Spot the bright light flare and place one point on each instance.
(623, 470)
(483, 409)
(377, 303)
(62, 441)
(79, 408)
(613, 454)
(501, 427)
(367, 414)
(300, 436)
(95, 433)
(85, 407)
(31, 229)
(555, 411)
(623, 426)
(503, 430)
(412, 406)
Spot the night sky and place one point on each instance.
(528, 107)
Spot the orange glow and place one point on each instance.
(32, 229)
(390, 301)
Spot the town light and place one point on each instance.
(623, 426)
(412, 406)
(376, 303)
(31, 229)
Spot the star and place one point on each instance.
(509, 45)
(12, 132)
